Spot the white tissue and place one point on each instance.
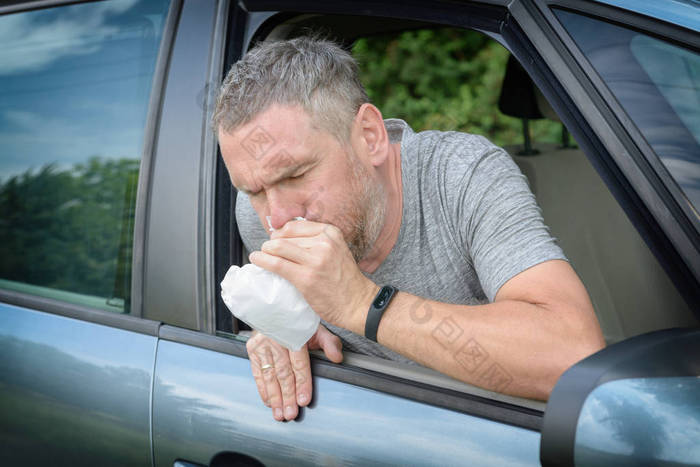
(270, 304)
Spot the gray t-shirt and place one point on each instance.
(470, 223)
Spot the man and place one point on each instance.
(484, 293)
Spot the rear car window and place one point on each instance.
(75, 83)
(658, 85)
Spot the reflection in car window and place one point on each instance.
(658, 85)
(74, 90)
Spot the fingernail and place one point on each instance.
(278, 413)
(303, 398)
(289, 411)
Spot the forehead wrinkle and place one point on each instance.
(271, 172)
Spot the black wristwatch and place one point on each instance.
(376, 310)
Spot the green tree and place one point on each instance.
(443, 79)
(70, 229)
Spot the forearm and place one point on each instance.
(509, 346)
(540, 322)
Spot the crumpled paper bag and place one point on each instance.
(269, 304)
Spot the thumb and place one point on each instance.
(330, 343)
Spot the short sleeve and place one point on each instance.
(500, 222)
(252, 233)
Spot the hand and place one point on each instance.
(287, 385)
(315, 258)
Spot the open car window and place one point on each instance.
(454, 79)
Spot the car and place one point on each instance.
(117, 225)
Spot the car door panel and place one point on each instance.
(206, 402)
(73, 392)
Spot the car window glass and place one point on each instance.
(676, 73)
(75, 83)
(658, 85)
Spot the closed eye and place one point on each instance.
(252, 194)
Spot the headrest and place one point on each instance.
(520, 98)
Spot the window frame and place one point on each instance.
(513, 29)
(671, 209)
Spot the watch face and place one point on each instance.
(383, 297)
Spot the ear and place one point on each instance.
(371, 135)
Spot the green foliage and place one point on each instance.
(443, 79)
(70, 229)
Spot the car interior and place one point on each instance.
(629, 290)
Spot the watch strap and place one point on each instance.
(376, 310)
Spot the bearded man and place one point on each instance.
(444, 218)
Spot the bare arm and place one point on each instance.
(540, 323)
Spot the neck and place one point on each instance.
(390, 174)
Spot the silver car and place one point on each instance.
(116, 227)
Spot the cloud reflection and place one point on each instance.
(33, 41)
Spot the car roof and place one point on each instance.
(685, 13)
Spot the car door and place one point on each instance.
(206, 408)
(79, 88)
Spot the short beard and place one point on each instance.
(367, 211)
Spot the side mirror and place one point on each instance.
(636, 402)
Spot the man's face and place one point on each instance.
(289, 168)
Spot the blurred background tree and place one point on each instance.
(71, 228)
(443, 79)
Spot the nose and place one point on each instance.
(282, 207)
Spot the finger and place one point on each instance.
(331, 345)
(301, 242)
(301, 365)
(297, 250)
(287, 383)
(300, 229)
(282, 266)
(255, 365)
(259, 382)
(272, 388)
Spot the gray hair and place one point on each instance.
(316, 74)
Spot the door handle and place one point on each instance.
(181, 463)
(224, 459)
